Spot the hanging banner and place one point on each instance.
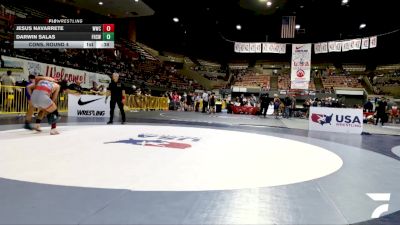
(352, 44)
(331, 46)
(273, 48)
(237, 47)
(282, 49)
(372, 42)
(346, 46)
(365, 43)
(338, 46)
(246, 47)
(259, 47)
(265, 47)
(357, 44)
(317, 48)
(324, 47)
(301, 65)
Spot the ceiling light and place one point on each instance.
(363, 25)
(297, 26)
(269, 3)
(136, 0)
(175, 19)
(238, 27)
(345, 2)
(100, 3)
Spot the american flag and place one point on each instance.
(288, 26)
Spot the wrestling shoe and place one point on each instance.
(54, 132)
(37, 128)
(28, 126)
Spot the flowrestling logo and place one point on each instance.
(155, 140)
(339, 120)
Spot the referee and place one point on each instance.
(117, 90)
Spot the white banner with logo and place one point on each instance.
(336, 120)
(373, 42)
(365, 43)
(321, 47)
(58, 72)
(317, 48)
(88, 106)
(301, 65)
(346, 45)
(259, 47)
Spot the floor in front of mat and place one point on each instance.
(167, 169)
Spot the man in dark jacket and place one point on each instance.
(288, 104)
(381, 111)
(264, 104)
(368, 106)
(117, 92)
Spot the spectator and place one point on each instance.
(288, 104)
(293, 106)
(381, 112)
(264, 104)
(277, 103)
(9, 82)
(76, 86)
(394, 114)
(368, 106)
(212, 103)
(205, 102)
(95, 88)
(197, 102)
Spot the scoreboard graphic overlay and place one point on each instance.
(59, 33)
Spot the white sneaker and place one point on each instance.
(54, 132)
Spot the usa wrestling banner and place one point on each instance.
(301, 66)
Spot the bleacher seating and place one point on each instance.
(341, 82)
(209, 70)
(354, 68)
(390, 67)
(254, 80)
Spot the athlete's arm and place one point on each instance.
(30, 88)
(55, 93)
